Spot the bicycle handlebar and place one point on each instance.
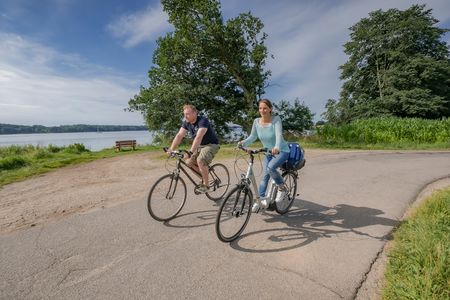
(250, 151)
(176, 153)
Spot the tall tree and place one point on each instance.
(218, 66)
(398, 65)
(297, 117)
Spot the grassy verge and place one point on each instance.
(20, 162)
(418, 266)
(384, 133)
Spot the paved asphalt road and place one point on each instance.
(322, 249)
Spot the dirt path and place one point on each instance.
(76, 189)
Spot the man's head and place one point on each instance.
(190, 113)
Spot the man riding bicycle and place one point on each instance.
(204, 146)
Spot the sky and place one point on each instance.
(80, 61)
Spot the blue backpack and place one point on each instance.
(296, 159)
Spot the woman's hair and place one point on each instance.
(191, 107)
(266, 102)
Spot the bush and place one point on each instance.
(13, 162)
(42, 153)
(76, 149)
(16, 150)
(388, 130)
(54, 149)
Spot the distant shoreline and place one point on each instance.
(25, 129)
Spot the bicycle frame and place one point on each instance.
(179, 166)
(249, 179)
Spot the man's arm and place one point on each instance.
(198, 138)
(177, 139)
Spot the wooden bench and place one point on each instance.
(126, 143)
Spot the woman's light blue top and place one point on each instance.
(270, 135)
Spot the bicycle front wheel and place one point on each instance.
(218, 182)
(234, 214)
(167, 197)
(290, 179)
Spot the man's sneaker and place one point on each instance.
(202, 188)
(281, 194)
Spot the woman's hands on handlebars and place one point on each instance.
(274, 151)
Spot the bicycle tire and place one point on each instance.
(169, 190)
(236, 205)
(290, 180)
(219, 182)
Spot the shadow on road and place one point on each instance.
(193, 219)
(307, 222)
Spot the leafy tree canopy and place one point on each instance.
(216, 65)
(398, 65)
(296, 117)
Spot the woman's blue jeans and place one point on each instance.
(270, 165)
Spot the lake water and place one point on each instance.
(94, 141)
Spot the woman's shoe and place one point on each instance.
(281, 194)
(256, 207)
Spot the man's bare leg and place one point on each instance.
(196, 168)
(204, 171)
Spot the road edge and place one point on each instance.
(372, 283)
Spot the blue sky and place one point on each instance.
(80, 61)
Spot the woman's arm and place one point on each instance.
(253, 135)
(278, 131)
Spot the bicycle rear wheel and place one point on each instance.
(166, 197)
(290, 180)
(234, 214)
(218, 182)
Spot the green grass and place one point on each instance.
(385, 133)
(419, 263)
(20, 162)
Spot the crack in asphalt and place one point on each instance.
(303, 276)
(366, 274)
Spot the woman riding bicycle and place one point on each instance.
(268, 129)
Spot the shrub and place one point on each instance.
(42, 153)
(54, 149)
(388, 130)
(16, 150)
(13, 162)
(76, 148)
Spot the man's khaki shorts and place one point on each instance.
(206, 154)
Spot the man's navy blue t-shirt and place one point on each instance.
(201, 122)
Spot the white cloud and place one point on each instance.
(39, 85)
(140, 27)
(307, 38)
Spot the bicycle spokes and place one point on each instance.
(233, 214)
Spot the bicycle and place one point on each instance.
(237, 205)
(168, 195)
